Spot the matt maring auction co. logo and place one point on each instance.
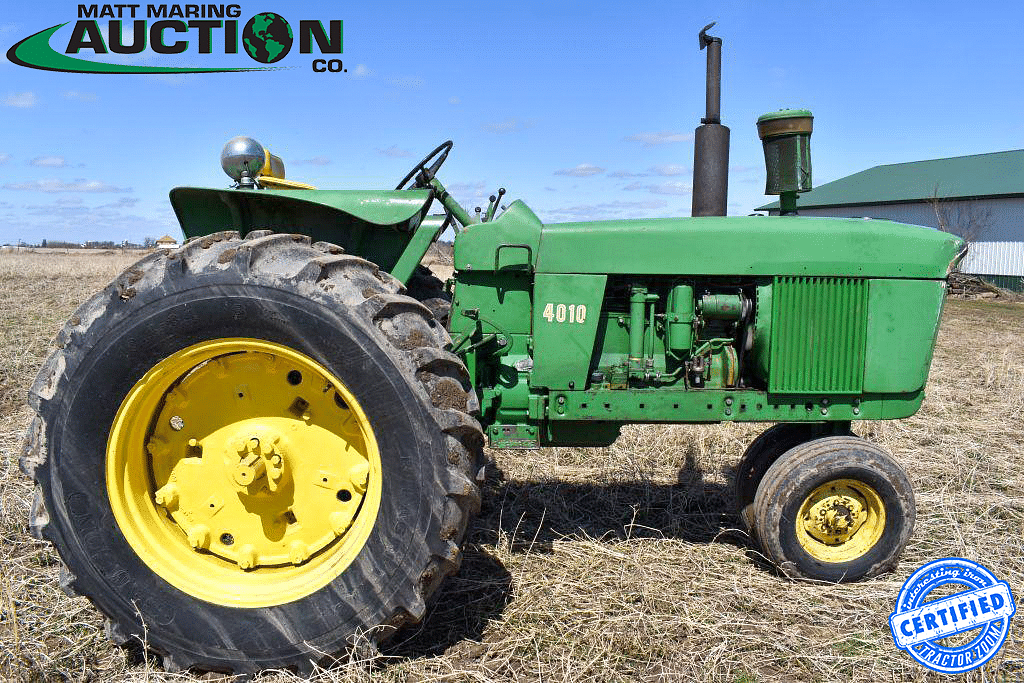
(169, 30)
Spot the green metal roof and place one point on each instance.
(997, 174)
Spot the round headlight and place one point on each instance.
(240, 155)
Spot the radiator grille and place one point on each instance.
(818, 335)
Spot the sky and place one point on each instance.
(583, 110)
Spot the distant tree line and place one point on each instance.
(147, 243)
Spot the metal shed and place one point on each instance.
(979, 197)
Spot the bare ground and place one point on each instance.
(616, 564)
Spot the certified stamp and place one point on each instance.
(982, 611)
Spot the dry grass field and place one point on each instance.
(616, 564)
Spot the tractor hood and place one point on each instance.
(783, 245)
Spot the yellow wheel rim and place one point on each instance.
(840, 521)
(243, 473)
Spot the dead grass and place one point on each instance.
(616, 564)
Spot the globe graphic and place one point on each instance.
(267, 37)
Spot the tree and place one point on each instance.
(970, 219)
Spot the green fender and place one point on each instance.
(380, 226)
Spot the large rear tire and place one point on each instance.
(429, 290)
(234, 375)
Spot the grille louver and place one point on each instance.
(818, 335)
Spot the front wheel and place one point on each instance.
(834, 509)
(252, 453)
(759, 456)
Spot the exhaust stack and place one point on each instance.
(711, 139)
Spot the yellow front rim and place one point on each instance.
(243, 473)
(840, 520)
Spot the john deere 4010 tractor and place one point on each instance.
(261, 446)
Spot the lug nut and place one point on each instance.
(199, 536)
(167, 495)
(340, 522)
(358, 474)
(298, 552)
(177, 424)
(247, 556)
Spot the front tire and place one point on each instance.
(221, 338)
(834, 509)
(759, 456)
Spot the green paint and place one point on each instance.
(565, 316)
(769, 246)
(571, 330)
(903, 322)
(818, 336)
(378, 226)
(477, 246)
(726, 405)
(425, 235)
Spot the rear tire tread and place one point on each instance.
(415, 339)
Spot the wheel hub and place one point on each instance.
(836, 515)
(270, 478)
(840, 520)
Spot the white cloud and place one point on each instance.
(70, 219)
(75, 206)
(315, 161)
(581, 171)
(361, 71)
(673, 187)
(81, 96)
(4, 158)
(512, 125)
(605, 210)
(54, 185)
(395, 151)
(476, 187)
(22, 100)
(626, 174)
(660, 138)
(49, 162)
(670, 170)
(468, 194)
(454, 100)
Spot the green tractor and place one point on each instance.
(261, 447)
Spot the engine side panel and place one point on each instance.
(903, 323)
(565, 320)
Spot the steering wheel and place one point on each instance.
(421, 172)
